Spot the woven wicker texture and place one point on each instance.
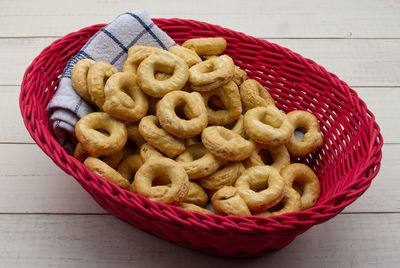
(346, 164)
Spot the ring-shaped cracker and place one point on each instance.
(194, 109)
(277, 157)
(79, 78)
(304, 177)
(97, 143)
(239, 76)
(162, 167)
(155, 135)
(105, 171)
(260, 187)
(212, 73)
(198, 162)
(268, 125)
(206, 46)
(97, 77)
(166, 63)
(189, 56)
(230, 97)
(124, 99)
(290, 202)
(136, 54)
(227, 201)
(226, 144)
(226, 176)
(196, 195)
(312, 139)
(253, 95)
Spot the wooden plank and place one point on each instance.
(104, 241)
(359, 62)
(279, 19)
(387, 116)
(31, 183)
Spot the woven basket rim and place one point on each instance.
(248, 224)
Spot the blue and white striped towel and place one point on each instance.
(110, 44)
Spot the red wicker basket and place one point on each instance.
(346, 164)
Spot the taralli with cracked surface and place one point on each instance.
(206, 46)
(166, 63)
(136, 54)
(226, 176)
(147, 151)
(103, 170)
(226, 144)
(193, 208)
(165, 167)
(312, 139)
(212, 73)
(97, 143)
(97, 77)
(261, 187)
(189, 56)
(277, 157)
(197, 161)
(195, 110)
(268, 125)
(239, 76)
(79, 78)
(290, 202)
(254, 95)
(124, 99)
(230, 97)
(156, 136)
(227, 201)
(196, 195)
(307, 181)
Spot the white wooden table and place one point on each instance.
(47, 220)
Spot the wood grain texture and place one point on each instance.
(277, 19)
(358, 62)
(32, 183)
(104, 241)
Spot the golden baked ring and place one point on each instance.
(196, 195)
(260, 187)
(103, 170)
(312, 139)
(97, 77)
(227, 201)
(95, 142)
(136, 54)
(124, 99)
(226, 144)
(290, 202)
(253, 95)
(277, 157)
(230, 97)
(79, 78)
(194, 109)
(206, 46)
(239, 76)
(111, 160)
(212, 73)
(306, 180)
(226, 176)
(155, 135)
(189, 56)
(193, 208)
(166, 63)
(268, 125)
(128, 168)
(198, 162)
(165, 167)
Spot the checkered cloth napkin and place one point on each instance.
(110, 44)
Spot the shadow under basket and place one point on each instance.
(345, 165)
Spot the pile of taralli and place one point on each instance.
(185, 125)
